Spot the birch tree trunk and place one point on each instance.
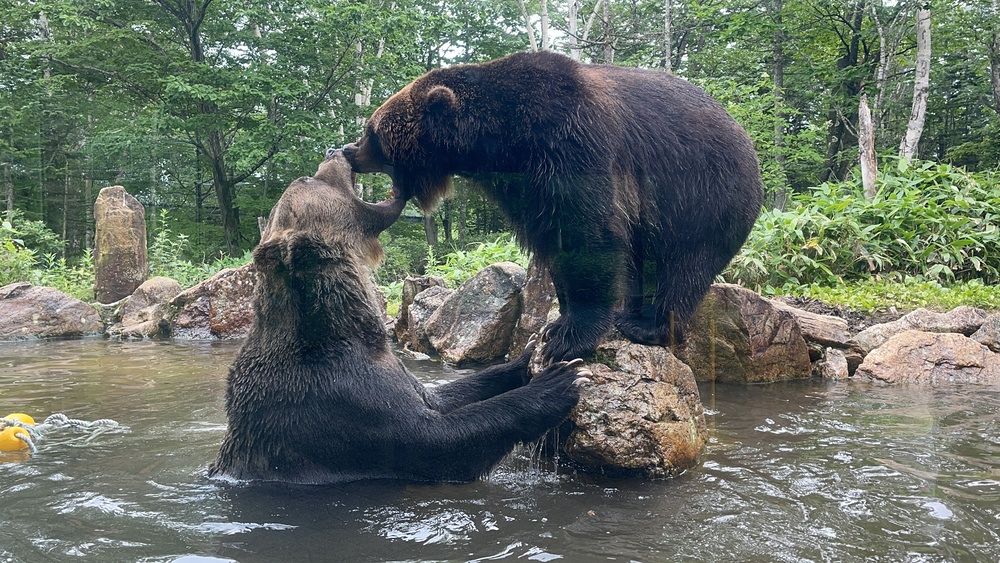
(667, 38)
(921, 85)
(866, 147)
(572, 25)
(532, 42)
(544, 42)
(609, 45)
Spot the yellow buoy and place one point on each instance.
(20, 417)
(9, 441)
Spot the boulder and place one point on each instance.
(475, 324)
(220, 307)
(419, 312)
(826, 330)
(28, 311)
(833, 365)
(412, 285)
(930, 358)
(989, 334)
(120, 263)
(737, 336)
(142, 312)
(640, 413)
(960, 320)
(537, 299)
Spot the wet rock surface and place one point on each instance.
(989, 334)
(141, 314)
(930, 358)
(419, 312)
(640, 413)
(28, 311)
(412, 286)
(220, 307)
(537, 306)
(476, 322)
(737, 336)
(120, 262)
(960, 320)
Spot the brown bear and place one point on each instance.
(599, 168)
(316, 395)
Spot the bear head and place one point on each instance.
(416, 137)
(321, 219)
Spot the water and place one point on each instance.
(804, 471)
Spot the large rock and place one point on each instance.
(475, 323)
(641, 413)
(537, 299)
(989, 334)
(960, 320)
(28, 311)
(142, 312)
(737, 336)
(826, 330)
(834, 365)
(930, 358)
(420, 312)
(412, 285)
(120, 263)
(220, 307)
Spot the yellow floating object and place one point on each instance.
(9, 441)
(20, 417)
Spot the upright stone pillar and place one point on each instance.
(120, 260)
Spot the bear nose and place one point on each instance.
(331, 152)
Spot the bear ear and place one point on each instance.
(307, 253)
(441, 102)
(267, 255)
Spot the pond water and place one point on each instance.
(803, 471)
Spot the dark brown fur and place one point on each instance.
(316, 395)
(599, 168)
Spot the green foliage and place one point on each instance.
(16, 261)
(460, 265)
(876, 295)
(403, 256)
(929, 220)
(76, 279)
(168, 256)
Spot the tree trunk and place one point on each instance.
(921, 84)
(446, 220)
(667, 38)
(778, 78)
(572, 25)
(65, 209)
(866, 146)
(609, 45)
(995, 57)
(430, 230)
(8, 190)
(527, 26)
(840, 135)
(543, 38)
(88, 205)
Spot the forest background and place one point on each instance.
(206, 109)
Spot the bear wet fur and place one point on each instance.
(316, 395)
(600, 169)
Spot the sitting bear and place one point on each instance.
(316, 395)
(599, 168)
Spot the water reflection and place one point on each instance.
(793, 471)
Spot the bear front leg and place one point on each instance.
(487, 383)
(468, 442)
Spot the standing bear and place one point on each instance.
(316, 395)
(598, 168)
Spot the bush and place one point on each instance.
(168, 257)
(16, 261)
(76, 279)
(460, 265)
(928, 220)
